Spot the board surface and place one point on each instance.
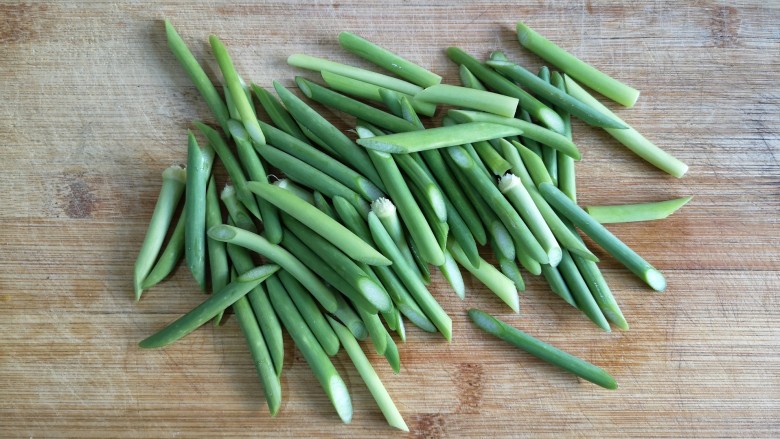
(94, 107)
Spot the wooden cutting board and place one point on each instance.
(94, 107)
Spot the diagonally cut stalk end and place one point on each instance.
(222, 233)
(339, 396)
(655, 279)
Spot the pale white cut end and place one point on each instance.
(507, 182)
(554, 255)
(339, 396)
(655, 279)
(383, 207)
(222, 233)
(175, 172)
(374, 294)
(228, 192)
(364, 133)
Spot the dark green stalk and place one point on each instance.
(173, 181)
(232, 166)
(308, 309)
(279, 255)
(504, 86)
(279, 116)
(197, 75)
(388, 60)
(603, 237)
(351, 106)
(346, 148)
(209, 308)
(325, 163)
(315, 356)
(541, 350)
(272, 229)
(170, 256)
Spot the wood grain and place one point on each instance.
(94, 107)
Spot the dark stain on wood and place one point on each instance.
(725, 23)
(428, 426)
(79, 201)
(18, 22)
(468, 380)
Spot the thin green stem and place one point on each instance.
(279, 116)
(631, 138)
(272, 387)
(452, 273)
(272, 229)
(236, 88)
(456, 195)
(343, 145)
(219, 267)
(343, 265)
(236, 210)
(353, 107)
(554, 96)
(322, 224)
(504, 86)
(491, 158)
(578, 69)
(442, 137)
(173, 181)
(603, 237)
(566, 181)
(261, 306)
(528, 129)
(565, 237)
(197, 75)
(371, 92)
(369, 376)
(424, 184)
(541, 350)
(199, 161)
(325, 163)
(580, 291)
(625, 213)
(386, 211)
(303, 173)
(308, 309)
(408, 209)
(299, 191)
(558, 284)
(320, 64)
(376, 331)
(469, 98)
(415, 286)
(232, 166)
(494, 280)
(280, 256)
(394, 287)
(468, 79)
(388, 60)
(317, 265)
(315, 356)
(170, 256)
(519, 197)
(321, 203)
(501, 207)
(209, 308)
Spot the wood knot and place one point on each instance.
(724, 25)
(19, 22)
(468, 381)
(77, 198)
(428, 426)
